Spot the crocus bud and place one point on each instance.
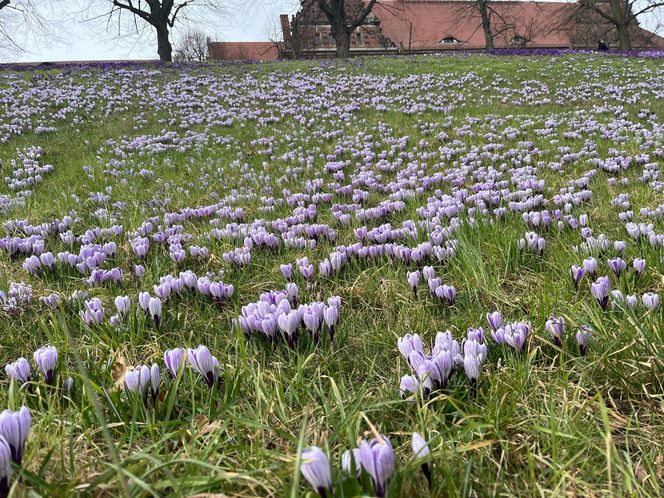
(46, 359)
(315, 468)
(14, 427)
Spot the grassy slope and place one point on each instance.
(545, 423)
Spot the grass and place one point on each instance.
(544, 423)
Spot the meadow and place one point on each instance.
(416, 276)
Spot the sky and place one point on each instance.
(88, 40)
(85, 39)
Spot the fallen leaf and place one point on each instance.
(118, 371)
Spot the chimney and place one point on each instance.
(285, 29)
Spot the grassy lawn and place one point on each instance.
(452, 152)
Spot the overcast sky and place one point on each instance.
(89, 41)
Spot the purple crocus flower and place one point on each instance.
(138, 380)
(650, 300)
(516, 335)
(600, 291)
(584, 337)
(495, 319)
(123, 304)
(618, 265)
(144, 301)
(315, 468)
(639, 265)
(408, 385)
(5, 467)
(204, 363)
(68, 385)
(14, 427)
(421, 450)
(377, 458)
(174, 359)
(474, 355)
(46, 359)
(331, 317)
(287, 271)
(349, 457)
(413, 279)
(577, 274)
(590, 265)
(409, 343)
(19, 370)
(154, 307)
(155, 379)
(556, 326)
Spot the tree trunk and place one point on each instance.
(343, 45)
(622, 25)
(624, 40)
(164, 48)
(486, 26)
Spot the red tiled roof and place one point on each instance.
(249, 51)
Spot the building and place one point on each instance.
(429, 26)
(245, 51)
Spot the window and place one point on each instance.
(519, 40)
(330, 39)
(317, 39)
(449, 40)
(358, 38)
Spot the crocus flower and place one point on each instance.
(122, 303)
(590, 265)
(413, 279)
(19, 370)
(315, 468)
(408, 385)
(556, 326)
(639, 265)
(495, 319)
(204, 363)
(618, 265)
(331, 317)
(650, 300)
(516, 335)
(631, 301)
(14, 427)
(155, 379)
(408, 344)
(5, 467)
(600, 291)
(138, 380)
(174, 359)
(421, 450)
(46, 359)
(474, 355)
(347, 459)
(377, 458)
(583, 338)
(287, 271)
(68, 385)
(577, 274)
(154, 307)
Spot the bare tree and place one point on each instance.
(343, 20)
(622, 14)
(160, 15)
(24, 22)
(486, 23)
(192, 47)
